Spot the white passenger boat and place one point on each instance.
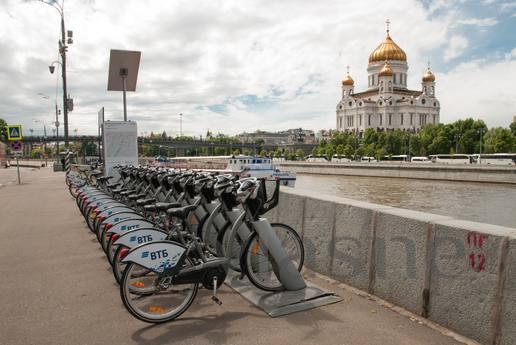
(260, 167)
(255, 166)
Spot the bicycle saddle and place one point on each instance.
(181, 212)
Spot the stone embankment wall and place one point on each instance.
(457, 273)
(468, 173)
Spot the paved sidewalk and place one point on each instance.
(57, 288)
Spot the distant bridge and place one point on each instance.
(180, 144)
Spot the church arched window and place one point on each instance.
(394, 76)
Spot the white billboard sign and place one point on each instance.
(120, 142)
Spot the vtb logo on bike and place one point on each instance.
(158, 254)
(141, 239)
(129, 227)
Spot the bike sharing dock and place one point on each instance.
(58, 290)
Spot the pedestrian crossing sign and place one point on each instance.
(14, 132)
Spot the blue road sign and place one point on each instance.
(14, 132)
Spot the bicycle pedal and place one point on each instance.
(216, 300)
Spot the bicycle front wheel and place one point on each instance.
(261, 268)
(148, 300)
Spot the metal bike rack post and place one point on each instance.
(288, 274)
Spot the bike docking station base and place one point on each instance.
(282, 302)
(297, 295)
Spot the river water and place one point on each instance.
(479, 202)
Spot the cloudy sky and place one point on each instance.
(233, 66)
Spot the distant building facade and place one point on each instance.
(289, 136)
(387, 104)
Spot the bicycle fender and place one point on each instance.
(119, 216)
(156, 256)
(137, 237)
(129, 224)
(109, 211)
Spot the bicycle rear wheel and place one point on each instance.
(145, 301)
(260, 266)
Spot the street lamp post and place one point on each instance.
(408, 153)
(44, 138)
(62, 50)
(480, 148)
(180, 124)
(56, 124)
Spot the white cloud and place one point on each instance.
(480, 90)
(478, 21)
(291, 55)
(455, 48)
(508, 5)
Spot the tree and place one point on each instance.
(3, 131)
(88, 148)
(340, 151)
(349, 151)
(380, 153)
(37, 153)
(370, 136)
(330, 151)
(513, 128)
(220, 151)
(499, 140)
(236, 152)
(300, 154)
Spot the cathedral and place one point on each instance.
(387, 104)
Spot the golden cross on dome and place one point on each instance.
(429, 65)
(347, 68)
(388, 22)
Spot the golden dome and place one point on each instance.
(386, 71)
(348, 81)
(386, 51)
(428, 76)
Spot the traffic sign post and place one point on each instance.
(14, 135)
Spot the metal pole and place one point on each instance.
(480, 144)
(45, 146)
(408, 156)
(100, 159)
(125, 104)
(18, 169)
(62, 48)
(57, 137)
(181, 124)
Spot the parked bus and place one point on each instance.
(366, 159)
(420, 159)
(495, 158)
(395, 158)
(451, 159)
(316, 159)
(342, 159)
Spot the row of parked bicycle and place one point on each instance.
(166, 232)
